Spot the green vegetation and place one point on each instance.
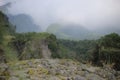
(105, 50)
(6, 34)
(80, 49)
(108, 50)
(71, 32)
(29, 45)
(22, 46)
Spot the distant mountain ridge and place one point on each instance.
(71, 31)
(24, 23)
(78, 32)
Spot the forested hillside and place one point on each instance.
(105, 50)
(72, 31)
(16, 47)
(31, 45)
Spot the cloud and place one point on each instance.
(92, 14)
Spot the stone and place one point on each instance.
(13, 78)
(56, 69)
(2, 78)
(111, 77)
(80, 78)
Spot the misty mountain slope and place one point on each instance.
(104, 31)
(71, 31)
(24, 23)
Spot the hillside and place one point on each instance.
(55, 69)
(34, 45)
(72, 32)
(42, 56)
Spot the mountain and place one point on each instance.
(40, 56)
(78, 32)
(71, 31)
(24, 23)
(108, 30)
(4, 8)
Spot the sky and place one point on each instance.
(92, 14)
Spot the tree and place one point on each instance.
(110, 41)
(109, 49)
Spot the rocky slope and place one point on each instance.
(55, 69)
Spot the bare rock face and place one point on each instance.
(36, 49)
(56, 69)
(46, 53)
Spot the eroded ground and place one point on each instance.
(55, 69)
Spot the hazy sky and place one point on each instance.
(91, 14)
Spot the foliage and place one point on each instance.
(110, 41)
(11, 54)
(7, 32)
(108, 50)
(6, 29)
(79, 49)
(28, 45)
(53, 46)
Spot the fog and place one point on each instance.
(92, 14)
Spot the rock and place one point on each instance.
(3, 65)
(13, 78)
(86, 73)
(30, 64)
(80, 78)
(68, 78)
(2, 78)
(118, 73)
(94, 77)
(92, 69)
(56, 69)
(53, 78)
(111, 77)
